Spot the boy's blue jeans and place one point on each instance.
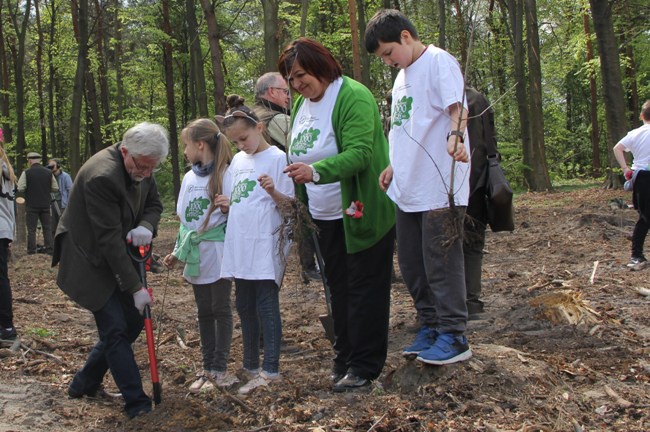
(258, 304)
(215, 323)
(119, 323)
(434, 272)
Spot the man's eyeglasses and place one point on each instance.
(142, 168)
(284, 89)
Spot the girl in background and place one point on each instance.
(7, 223)
(203, 208)
(252, 258)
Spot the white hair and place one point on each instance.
(147, 139)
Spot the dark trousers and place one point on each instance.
(6, 309)
(32, 216)
(215, 323)
(56, 212)
(360, 288)
(430, 257)
(641, 199)
(473, 245)
(119, 323)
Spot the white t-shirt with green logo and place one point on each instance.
(251, 247)
(418, 135)
(313, 139)
(192, 209)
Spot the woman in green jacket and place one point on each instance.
(336, 153)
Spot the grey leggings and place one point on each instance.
(215, 323)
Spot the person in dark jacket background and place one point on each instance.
(37, 183)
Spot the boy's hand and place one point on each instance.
(170, 261)
(223, 202)
(267, 183)
(460, 153)
(385, 178)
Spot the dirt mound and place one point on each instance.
(563, 345)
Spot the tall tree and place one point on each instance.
(216, 56)
(4, 82)
(169, 92)
(363, 54)
(271, 34)
(610, 68)
(539, 178)
(102, 68)
(196, 59)
(20, 28)
(119, 82)
(39, 81)
(593, 98)
(79, 10)
(354, 30)
(55, 150)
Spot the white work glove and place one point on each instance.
(140, 236)
(142, 298)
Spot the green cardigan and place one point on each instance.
(363, 155)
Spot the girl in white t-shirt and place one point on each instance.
(203, 208)
(252, 257)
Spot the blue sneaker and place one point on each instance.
(423, 341)
(448, 349)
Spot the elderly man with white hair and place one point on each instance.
(114, 202)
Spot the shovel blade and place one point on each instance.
(328, 324)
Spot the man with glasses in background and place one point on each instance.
(114, 202)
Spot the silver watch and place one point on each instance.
(315, 177)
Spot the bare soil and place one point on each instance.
(563, 345)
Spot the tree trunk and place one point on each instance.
(633, 105)
(304, 10)
(354, 33)
(612, 85)
(364, 56)
(119, 82)
(55, 150)
(442, 24)
(463, 36)
(540, 177)
(171, 103)
(593, 105)
(216, 56)
(196, 57)
(39, 82)
(95, 126)
(516, 14)
(19, 64)
(4, 82)
(74, 156)
(271, 34)
(102, 73)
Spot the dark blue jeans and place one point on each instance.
(119, 323)
(6, 310)
(258, 304)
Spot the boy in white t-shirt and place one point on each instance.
(428, 179)
(637, 141)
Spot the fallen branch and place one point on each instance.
(230, 397)
(57, 359)
(593, 273)
(619, 400)
(376, 423)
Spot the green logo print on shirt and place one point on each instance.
(196, 208)
(304, 141)
(401, 111)
(242, 190)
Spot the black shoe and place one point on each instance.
(336, 376)
(98, 393)
(8, 333)
(350, 382)
(310, 274)
(140, 412)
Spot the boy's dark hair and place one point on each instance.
(645, 111)
(387, 26)
(314, 58)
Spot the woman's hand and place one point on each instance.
(300, 172)
(223, 202)
(385, 178)
(170, 261)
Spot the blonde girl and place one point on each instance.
(256, 186)
(203, 208)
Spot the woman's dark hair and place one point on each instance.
(314, 58)
(233, 101)
(387, 26)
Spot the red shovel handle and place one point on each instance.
(153, 363)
